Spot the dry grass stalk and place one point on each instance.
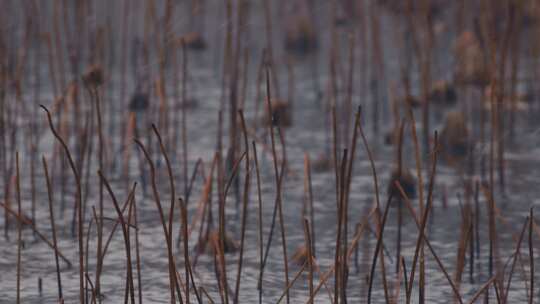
(172, 276)
(19, 229)
(53, 226)
(125, 228)
(420, 238)
(531, 256)
(78, 206)
(244, 207)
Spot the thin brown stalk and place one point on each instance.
(172, 276)
(19, 230)
(378, 247)
(347, 179)
(278, 179)
(126, 236)
(377, 200)
(77, 204)
(354, 243)
(335, 152)
(187, 263)
(244, 207)
(94, 94)
(292, 283)
(420, 238)
(308, 188)
(137, 252)
(260, 221)
(171, 209)
(206, 294)
(531, 256)
(184, 122)
(516, 254)
(338, 278)
(399, 277)
(32, 226)
(482, 289)
(113, 230)
(426, 240)
(88, 231)
(307, 236)
(92, 289)
(53, 226)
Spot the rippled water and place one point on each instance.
(309, 133)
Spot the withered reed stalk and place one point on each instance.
(92, 289)
(471, 249)
(184, 120)
(308, 188)
(173, 200)
(172, 276)
(260, 75)
(531, 256)
(203, 290)
(338, 278)
(259, 220)
(137, 251)
(245, 199)
(377, 209)
(125, 34)
(426, 240)
(482, 289)
(420, 238)
(77, 204)
(52, 73)
(198, 165)
(378, 246)
(269, 50)
(288, 287)
(19, 229)
(477, 217)
(94, 94)
(309, 245)
(187, 263)
(278, 175)
(335, 157)
(350, 80)
(126, 236)
(377, 67)
(87, 257)
(515, 258)
(32, 226)
(58, 46)
(354, 243)
(53, 226)
(115, 225)
(219, 243)
(398, 279)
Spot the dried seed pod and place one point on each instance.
(281, 113)
(207, 244)
(93, 77)
(470, 66)
(195, 41)
(301, 37)
(407, 182)
(455, 138)
(300, 256)
(322, 163)
(443, 93)
(139, 102)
